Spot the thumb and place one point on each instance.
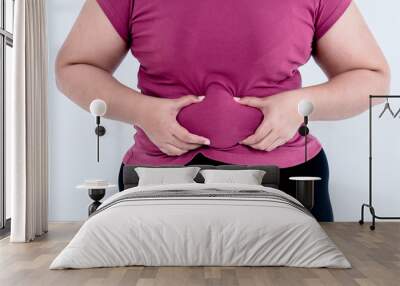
(250, 101)
(187, 100)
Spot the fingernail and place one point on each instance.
(236, 98)
(200, 98)
(207, 142)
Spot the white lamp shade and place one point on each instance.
(98, 107)
(305, 107)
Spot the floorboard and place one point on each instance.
(375, 257)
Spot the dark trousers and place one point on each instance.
(316, 167)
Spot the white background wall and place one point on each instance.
(72, 140)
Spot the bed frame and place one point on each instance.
(270, 179)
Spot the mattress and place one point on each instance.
(201, 225)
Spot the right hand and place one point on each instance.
(158, 121)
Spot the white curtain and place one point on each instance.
(27, 123)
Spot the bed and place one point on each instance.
(201, 224)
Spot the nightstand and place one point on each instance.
(305, 190)
(96, 190)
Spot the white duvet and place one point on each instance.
(207, 230)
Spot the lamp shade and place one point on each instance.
(98, 107)
(305, 108)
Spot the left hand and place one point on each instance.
(281, 120)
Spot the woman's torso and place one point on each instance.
(221, 49)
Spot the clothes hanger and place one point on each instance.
(397, 113)
(387, 107)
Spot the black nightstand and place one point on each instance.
(96, 190)
(305, 190)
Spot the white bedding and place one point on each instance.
(190, 230)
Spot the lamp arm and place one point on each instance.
(98, 108)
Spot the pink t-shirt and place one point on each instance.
(221, 49)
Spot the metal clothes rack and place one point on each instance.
(370, 204)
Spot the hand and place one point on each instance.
(158, 121)
(281, 120)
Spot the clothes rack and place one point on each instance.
(370, 203)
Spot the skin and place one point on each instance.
(348, 54)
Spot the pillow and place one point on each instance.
(248, 177)
(162, 176)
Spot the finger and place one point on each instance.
(250, 101)
(183, 145)
(266, 141)
(261, 132)
(182, 134)
(172, 150)
(187, 100)
(276, 144)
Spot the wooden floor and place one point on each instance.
(375, 257)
